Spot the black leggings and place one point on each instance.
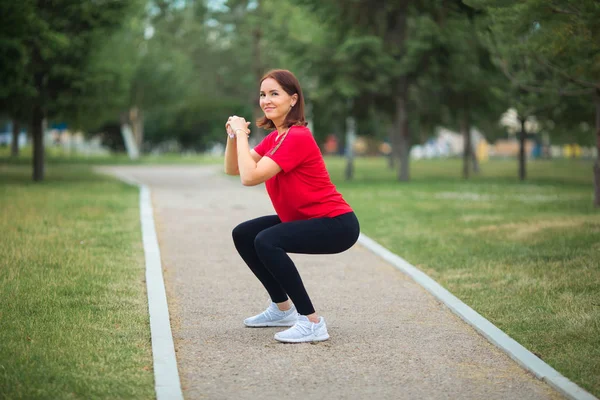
(263, 243)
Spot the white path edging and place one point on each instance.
(166, 375)
(520, 354)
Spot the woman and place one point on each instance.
(312, 217)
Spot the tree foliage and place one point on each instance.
(549, 49)
(46, 48)
(175, 69)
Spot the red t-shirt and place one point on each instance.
(303, 189)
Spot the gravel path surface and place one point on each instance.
(389, 338)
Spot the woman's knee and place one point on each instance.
(264, 242)
(241, 233)
(260, 241)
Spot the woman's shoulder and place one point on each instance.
(302, 136)
(300, 130)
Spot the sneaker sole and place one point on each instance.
(268, 324)
(303, 340)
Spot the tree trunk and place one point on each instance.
(136, 120)
(597, 164)
(401, 145)
(349, 170)
(37, 133)
(138, 129)
(258, 71)
(522, 135)
(14, 148)
(391, 157)
(350, 137)
(128, 134)
(465, 127)
(404, 173)
(136, 117)
(401, 140)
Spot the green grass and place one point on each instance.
(525, 255)
(57, 156)
(73, 309)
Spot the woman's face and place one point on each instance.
(274, 101)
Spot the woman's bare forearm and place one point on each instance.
(246, 164)
(231, 159)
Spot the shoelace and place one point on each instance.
(305, 328)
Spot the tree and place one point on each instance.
(139, 70)
(159, 76)
(568, 123)
(410, 51)
(461, 77)
(561, 38)
(242, 25)
(14, 85)
(379, 35)
(54, 42)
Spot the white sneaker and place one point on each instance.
(304, 331)
(273, 316)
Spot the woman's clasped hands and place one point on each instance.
(237, 125)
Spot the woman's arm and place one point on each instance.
(253, 171)
(231, 162)
(231, 159)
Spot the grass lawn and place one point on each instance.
(73, 307)
(525, 255)
(58, 156)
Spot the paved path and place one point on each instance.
(389, 338)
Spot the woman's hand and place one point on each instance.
(236, 124)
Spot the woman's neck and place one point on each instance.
(281, 129)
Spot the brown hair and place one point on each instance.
(290, 84)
